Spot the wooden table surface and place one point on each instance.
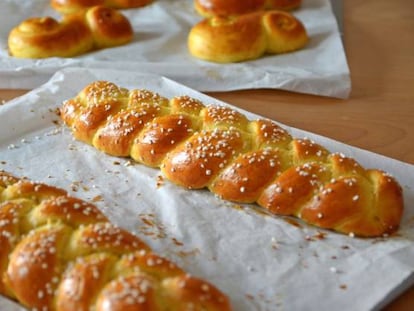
(379, 115)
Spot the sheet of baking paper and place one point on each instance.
(262, 262)
(159, 47)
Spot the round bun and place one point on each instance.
(246, 37)
(96, 28)
(209, 8)
(219, 39)
(108, 26)
(286, 5)
(285, 32)
(72, 6)
(42, 37)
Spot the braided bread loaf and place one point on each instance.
(96, 28)
(72, 6)
(61, 253)
(209, 8)
(198, 146)
(245, 37)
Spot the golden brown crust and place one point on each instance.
(109, 27)
(246, 37)
(66, 209)
(86, 127)
(242, 182)
(214, 117)
(149, 263)
(186, 288)
(34, 264)
(225, 40)
(82, 281)
(129, 293)
(61, 253)
(209, 8)
(160, 137)
(290, 190)
(194, 163)
(96, 28)
(216, 147)
(73, 6)
(116, 134)
(286, 5)
(8, 212)
(285, 34)
(42, 37)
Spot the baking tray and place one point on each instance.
(262, 262)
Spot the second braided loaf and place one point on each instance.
(60, 253)
(215, 147)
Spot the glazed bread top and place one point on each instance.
(58, 252)
(209, 8)
(75, 34)
(208, 146)
(246, 37)
(73, 6)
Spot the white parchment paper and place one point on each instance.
(160, 47)
(262, 262)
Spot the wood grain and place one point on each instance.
(379, 115)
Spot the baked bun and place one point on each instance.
(72, 6)
(209, 8)
(60, 253)
(218, 148)
(96, 28)
(286, 5)
(246, 37)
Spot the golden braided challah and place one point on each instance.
(72, 6)
(245, 37)
(60, 253)
(198, 146)
(209, 8)
(96, 28)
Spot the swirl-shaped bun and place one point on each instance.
(285, 33)
(209, 8)
(72, 6)
(108, 27)
(42, 37)
(218, 148)
(96, 28)
(60, 253)
(246, 37)
(286, 5)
